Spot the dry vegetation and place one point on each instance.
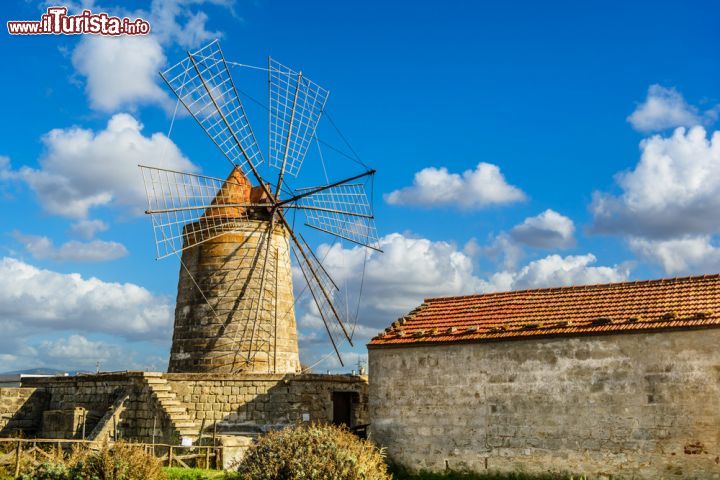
(122, 461)
(312, 452)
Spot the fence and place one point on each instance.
(15, 452)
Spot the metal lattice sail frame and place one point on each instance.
(296, 104)
(177, 200)
(203, 84)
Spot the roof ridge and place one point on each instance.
(577, 287)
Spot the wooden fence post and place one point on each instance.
(153, 433)
(18, 453)
(55, 449)
(214, 442)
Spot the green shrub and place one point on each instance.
(51, 471)
(312, 452)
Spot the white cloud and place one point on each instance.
(311, 319)
(665, 108)
(172, 21)
(82, 169)
(502, 249)
(556, 271)
(409, 269)
(547, 230)
(673, 191)
(76, 351)
(86, 229)
(42, 248)
(6, 172)
(688, 254)
(34, 298)
(121, 71)
(473, 189)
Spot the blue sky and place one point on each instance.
(517, 144)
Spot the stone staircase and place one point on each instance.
(182, 423)
(105, 428)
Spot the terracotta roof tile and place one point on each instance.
(673, 303)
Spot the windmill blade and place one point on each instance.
(343, 211)
(296, 104)
(203, 84)
(326, 295)
(189, 209)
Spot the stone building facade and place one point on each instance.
(619, 379)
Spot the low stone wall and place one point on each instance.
(77, 403)
(21, 410)
(266, 399)
(636, 405)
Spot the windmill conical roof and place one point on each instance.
(235, 190)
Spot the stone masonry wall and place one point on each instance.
(21, 410)
(643, 405)
(265, 400)
(219, 322)
(95, 394)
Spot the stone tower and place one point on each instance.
(218, 326)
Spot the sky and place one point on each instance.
(517, 145)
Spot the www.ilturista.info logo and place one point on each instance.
(57, 22)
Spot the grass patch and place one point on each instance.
(484, 476)
(400, 474)
(177, 473)
(202, 474)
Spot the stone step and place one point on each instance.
(185, 425)
(161, 388)
(155, 380)
(186, 428)
(173, 411)
(165, 396)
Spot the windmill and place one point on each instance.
(235, 307)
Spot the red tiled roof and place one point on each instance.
(676, 303)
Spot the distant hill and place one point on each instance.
(40, 371)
